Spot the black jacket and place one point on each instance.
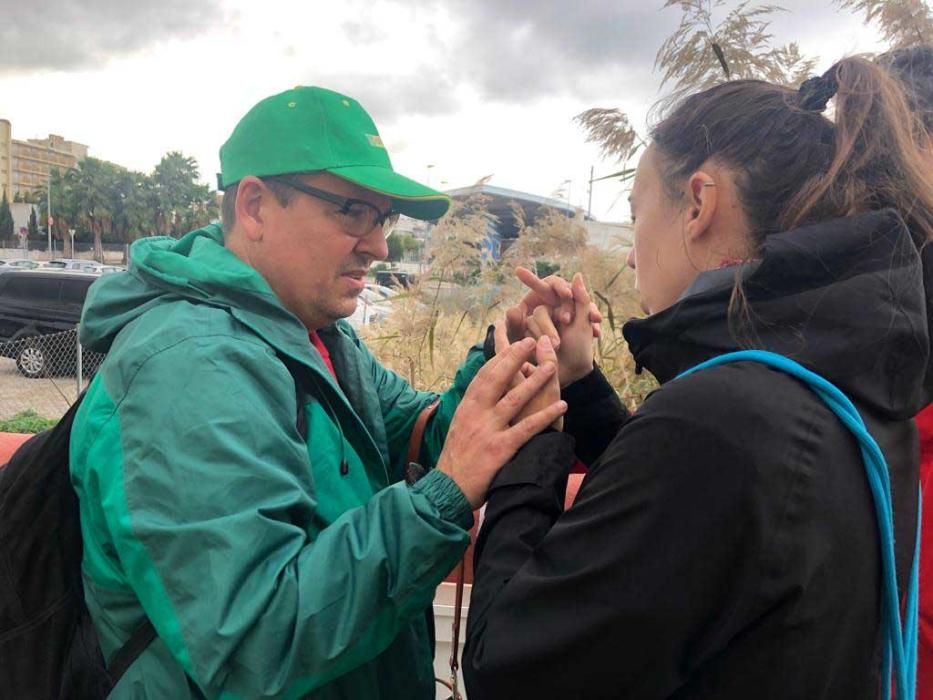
(725, 544)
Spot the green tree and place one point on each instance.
(401, 243)
(34, 234)
(6, 218)
(179, 203)
(130, 203)
(88, 195)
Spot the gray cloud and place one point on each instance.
(363, 32)
(73, 34)
(387, 97)
(519, 50)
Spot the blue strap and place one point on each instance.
(899, 645)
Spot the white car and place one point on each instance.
(385, 292)
(370, 308)
(18, 264)
(73, 264)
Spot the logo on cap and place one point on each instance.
(375, 141)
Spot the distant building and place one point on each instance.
(609, 236)
(25, 165)
(503, 227)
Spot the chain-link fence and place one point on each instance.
(44, 373)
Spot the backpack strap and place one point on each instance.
(417, 431)
(124, 657)
(899, 644)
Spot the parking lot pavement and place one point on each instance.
(50, 398)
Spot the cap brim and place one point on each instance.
(408, 197)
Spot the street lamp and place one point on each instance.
(49, 219)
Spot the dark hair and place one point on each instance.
(282, 193)
(794, 166)
(913, 67)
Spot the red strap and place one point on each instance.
(417, 431)
(321, 348)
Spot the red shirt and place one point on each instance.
(925, 640)
(321, 348)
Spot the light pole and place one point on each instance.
(49, 217)
(71, 232)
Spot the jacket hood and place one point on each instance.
(196, 267)
(845, 298)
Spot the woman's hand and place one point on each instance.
(552, 292)
(575, 352)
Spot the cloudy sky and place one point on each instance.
(460, 89)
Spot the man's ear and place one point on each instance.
(702, 200)
(251, 197)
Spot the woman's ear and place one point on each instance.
(702, 200)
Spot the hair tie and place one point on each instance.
(815, 93)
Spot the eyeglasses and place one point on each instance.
(358, 218)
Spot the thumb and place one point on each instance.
(544, 352)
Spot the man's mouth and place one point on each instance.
(356, 278)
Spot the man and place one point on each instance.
(239, 456)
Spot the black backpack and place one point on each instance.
(48, 645)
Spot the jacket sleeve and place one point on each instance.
(401, 405)
(643, 579)
(594, 414)
(210, 507)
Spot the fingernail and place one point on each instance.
(548, 368)
(546, 342)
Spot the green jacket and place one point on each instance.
(267, 569)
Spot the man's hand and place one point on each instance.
(482, 438)
(550, 392)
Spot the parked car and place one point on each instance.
(385, 292)
(9, 264)
(73, 264)
(35, 304)
(370, 308)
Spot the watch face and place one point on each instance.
(413, 472)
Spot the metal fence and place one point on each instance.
(44, 373)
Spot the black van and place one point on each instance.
(36, 303)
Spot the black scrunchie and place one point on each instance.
(816, 93)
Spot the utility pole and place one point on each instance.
(589, 204)
(49, 218)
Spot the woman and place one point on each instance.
(913, 67)
(725, 544)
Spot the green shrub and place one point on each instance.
(26, 422)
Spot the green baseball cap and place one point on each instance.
(312, 129)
